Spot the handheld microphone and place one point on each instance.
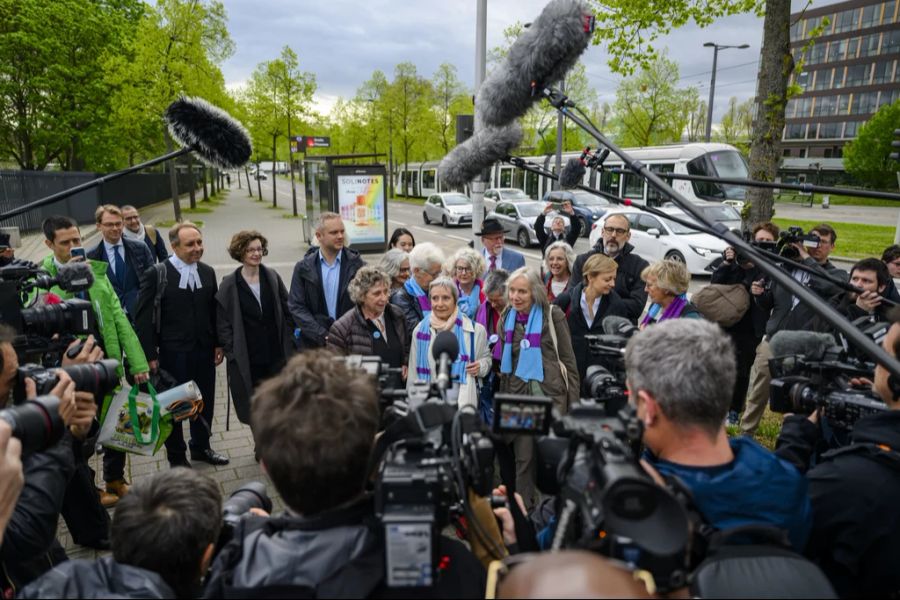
(614, 325)
(541, 56)
(218, 139)
(445, 350)
(72, 277)
(572, 174)
(479, 152)
(809, 344)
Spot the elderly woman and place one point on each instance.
(588, 303)
(558, 261)
(464, 266)
(425, 262)
(253, 321)
(666, 283)
(395, 263)
(536, 359)
(374, 327)
(474, 359)
(488, 316)
(402, 239)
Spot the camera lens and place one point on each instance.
(251, 495)
(36, 423)
(72, 317)
(97, 378)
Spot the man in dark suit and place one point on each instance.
(136, 231)
(319, 285)
(184, 341)
(127, 260)
(495, 255)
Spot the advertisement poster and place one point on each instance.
(361, 204)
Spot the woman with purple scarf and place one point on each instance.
(667, 282)
(536, 359)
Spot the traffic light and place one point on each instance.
(895, 144)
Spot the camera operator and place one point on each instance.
(315, 426)
(749, 331)
(891, 259)
(680, 375)
(872, 277)
(854, 490)
(163, 537)
(788, 314)
(116, 333)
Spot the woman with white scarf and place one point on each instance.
(474, 360)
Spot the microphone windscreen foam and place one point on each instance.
(479, 152)
(218, 139)
(809, 344)
(75, 276)
(445, 343)
(572, 174)
(613, 325)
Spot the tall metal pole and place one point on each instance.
(560, 129)
(480, 67)
(712, 93)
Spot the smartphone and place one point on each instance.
(557, 206)
(78, 253)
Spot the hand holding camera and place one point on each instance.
(64, 390)
(83, 351)
(758, 288)
(868, 301)
(729, 255)
(85, 412)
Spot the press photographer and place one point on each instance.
(315, 426)
(163, 536)
(871, 276)
(856, 526)
(787, 312)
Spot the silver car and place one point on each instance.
(494, 195)
(518, 220)
(449, 208)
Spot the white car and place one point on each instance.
(518, 220)
(449, 208)
(494, 195)
(717, 212)
(656, 238)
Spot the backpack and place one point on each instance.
(161, 282)
(725, 304)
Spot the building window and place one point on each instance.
(839, 77)
(825, 106)
(795, 131)
(891, 42)
(869, 45)
(884, 71)
(816, 54)
(823, 79)
(852, 48)
(836, 50)
(871, 16)
(850, 129)
(857, 75)
(804, 80)
(846, 20)
(843, 104)
(889, 12)
(829, 131)
(802, 153)
(813, 131)
(786, 152)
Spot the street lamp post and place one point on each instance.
(712, 83)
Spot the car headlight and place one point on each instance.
(704, 252)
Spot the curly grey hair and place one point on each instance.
(566, 248)
(688, 366)
(365, 279)
(471, 257)
(391, 261)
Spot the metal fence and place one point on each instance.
(21, 187)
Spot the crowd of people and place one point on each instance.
(520, 330)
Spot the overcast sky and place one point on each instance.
(344, 41)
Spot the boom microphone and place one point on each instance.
(541, 56)
(809, 344)
(72, 277)
(614, 325)
(479, 152)
(217, 138)
(572, 174)
(444, 350)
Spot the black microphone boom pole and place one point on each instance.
(217, 139)
(819, 306)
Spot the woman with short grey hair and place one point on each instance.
(473, 360)
(666, 282)
(395, 263)
(374, 327)
(425, 262)
(559, 260)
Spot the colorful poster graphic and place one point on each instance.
(361, 206)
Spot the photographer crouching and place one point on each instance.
(315, 425)
(856, 524)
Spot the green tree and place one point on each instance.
(450, 99)
(867, 157)
(736, 125)
(409, 95)
(652, 108)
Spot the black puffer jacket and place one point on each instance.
(409, 306)
(629, 285)
(103, 578)
(351, 334)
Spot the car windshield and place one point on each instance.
(530, 209)
(456, 200)
(725, 163)
(721, 213)
(678, 228)
(513, 195)
(588, 199)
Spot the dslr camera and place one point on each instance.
(97, 378)
(794, 235)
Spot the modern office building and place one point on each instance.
(848, 74)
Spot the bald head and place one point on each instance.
(570, 574)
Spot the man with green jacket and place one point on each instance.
(116, 333)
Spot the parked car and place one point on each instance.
(262, 176)
(588, 207)
(494, 195)
(448, 208)
(518, 220)
(717, 212)
(656, 238)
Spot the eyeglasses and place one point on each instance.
(615, 230)
(262, 251)
(463, 269)
(114, 225)
(404, 269)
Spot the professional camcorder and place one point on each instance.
(794, 235)
(765, 245)
(45, 324)
(604, 380)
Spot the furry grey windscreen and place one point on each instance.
(543, 53)
(612, 324)
(218, 139)
(445, 343)
(572, 174)
(479, 152)
(809, 344)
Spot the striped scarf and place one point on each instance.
(423, 351)
(414, 290)
(468, 305)
(673, 311)
(530, 365)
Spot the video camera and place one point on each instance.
(794, 235)
(605, 501)
(819, 378)
(49, 327)
(765, 245)
(604, 380)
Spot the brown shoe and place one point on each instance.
(107, 499)
(117, 487)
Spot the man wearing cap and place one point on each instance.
(496, 256)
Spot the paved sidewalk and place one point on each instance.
(237, 212)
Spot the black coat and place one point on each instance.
(570, 303)
(137, 260)
(101, 578)
(307, 296)
(157, 248)
(188, 318)
(234, 338)
(351, 334)
(545, 239)
(787, 317)
(854, 491)
(629, 284)
(409, 306)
